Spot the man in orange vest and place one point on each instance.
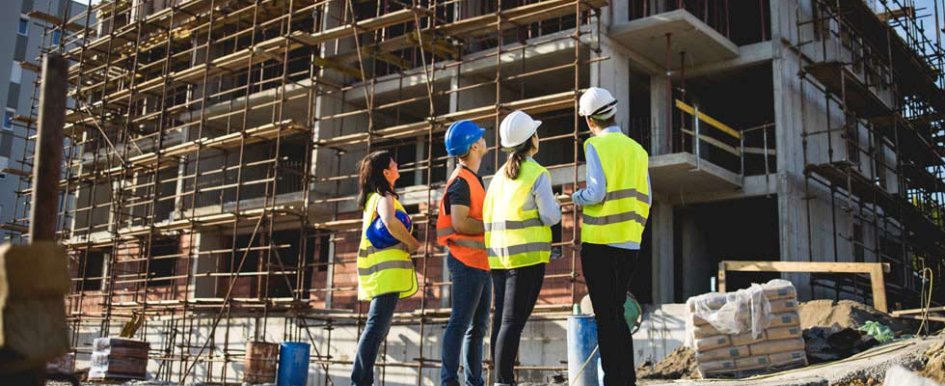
(459, 228)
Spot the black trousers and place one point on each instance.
(516, 291)
(607, 271)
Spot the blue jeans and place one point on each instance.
(471, 297)
(378, 324)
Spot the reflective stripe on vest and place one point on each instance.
(501, 226)
(515, 235)
(468, 249)
(385, 265)
(369, 250)
(627, 193)
(521, 248)
(387, 270)
(621, 216)
(615, 218)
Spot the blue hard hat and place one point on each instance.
(380, 237)
(460, 136)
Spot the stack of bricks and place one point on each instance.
(119, 358)
(779, 347)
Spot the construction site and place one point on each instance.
(207, 199)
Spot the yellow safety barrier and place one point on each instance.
(707, 119)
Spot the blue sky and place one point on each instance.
(927, 8)
(926, 12)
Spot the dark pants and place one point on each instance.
(607, 271)
(516, 291)
(471, 297)
(378, 324)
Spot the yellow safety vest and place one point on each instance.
(386, 270)
(515, 236)
(620, 218)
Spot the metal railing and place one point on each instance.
(745, 152)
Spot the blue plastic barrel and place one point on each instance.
(582, 340)
(293, 364)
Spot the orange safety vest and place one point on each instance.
(469, 249)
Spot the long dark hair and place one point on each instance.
(514, 164)
(371, 176)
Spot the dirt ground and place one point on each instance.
(935, 363)
(679, 364)
(861, 382)
(848, 313)
(864, 369)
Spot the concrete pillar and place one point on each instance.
(454, 107)
(696, 269)
(658, 115)
(419, 152)
(328, 162)
(614, 75)
(450, 164)
(203, 286)
(330, 274)
(661, 228)
(78, 197)
(617, 12)
(789, 121)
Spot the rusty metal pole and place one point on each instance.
(47, 161)
(667, 143)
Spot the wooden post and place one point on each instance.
(875, 270)
(721, 279)
(47, 162)
(878, 282)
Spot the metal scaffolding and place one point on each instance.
(877, 149)
(211, 144)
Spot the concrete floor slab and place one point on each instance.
(701, 43)
(683, 173)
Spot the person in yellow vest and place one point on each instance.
(459, 229)
(518, 213)
(385, 274)
(616, 204)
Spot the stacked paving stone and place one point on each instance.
(119, 358)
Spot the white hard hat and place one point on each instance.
(516, 128)
(597, 103)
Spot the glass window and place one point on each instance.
(24, 27)
(16, 72)
(56, 36)
(8, 118)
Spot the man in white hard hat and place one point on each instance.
(616, 204)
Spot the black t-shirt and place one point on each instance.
(458, 192)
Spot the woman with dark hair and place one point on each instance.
(385, 273)
(518, 213)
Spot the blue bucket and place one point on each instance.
(582, 340)
(293, 364)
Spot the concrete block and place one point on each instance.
(662, 330)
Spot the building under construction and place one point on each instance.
(210, 178)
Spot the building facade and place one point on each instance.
(211, 177)
(20, 50)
